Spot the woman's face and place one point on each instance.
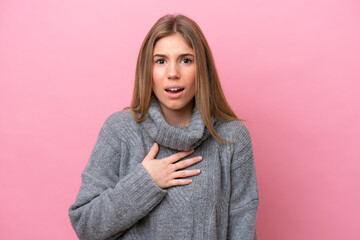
(173, 74)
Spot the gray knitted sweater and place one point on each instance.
(118, 199)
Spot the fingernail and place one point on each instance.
(199, 157)
(198, 171)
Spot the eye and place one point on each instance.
(160, 61)
(186, 60)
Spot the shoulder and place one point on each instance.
(119, 125)
(241, 145)
(233, 131)
(119, 119)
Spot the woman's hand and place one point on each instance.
(166, 172)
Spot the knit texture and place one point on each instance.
(118, 199)
(171, 136)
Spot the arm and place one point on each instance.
(107, 205)
(244, 198)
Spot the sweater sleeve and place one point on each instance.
(244, 198)
(108, 204)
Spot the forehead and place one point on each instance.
(173, 44)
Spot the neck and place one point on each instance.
(181, 138)
(180, 117)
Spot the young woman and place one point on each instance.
(177, 164)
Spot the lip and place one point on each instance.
(174, 95)
(173, 86)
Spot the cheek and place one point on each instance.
(157, 74)
(189, 73)
(155, 79)
(192, 77)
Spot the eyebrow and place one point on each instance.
(181, 55)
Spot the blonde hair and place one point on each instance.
(209, 97)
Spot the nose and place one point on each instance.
(173, 72)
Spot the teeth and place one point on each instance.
(174, 89)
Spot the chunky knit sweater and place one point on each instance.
(118, 199)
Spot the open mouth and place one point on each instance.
(174, 90)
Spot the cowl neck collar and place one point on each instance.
(181, 138)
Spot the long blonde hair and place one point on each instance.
(209, 97)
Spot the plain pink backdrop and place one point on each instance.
(290, 68)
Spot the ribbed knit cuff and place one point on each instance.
(140, 190)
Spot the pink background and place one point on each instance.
(290, 68)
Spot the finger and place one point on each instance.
(179, 155)
(179, 182)
(153, 151)
(187, 162)
(185, 173)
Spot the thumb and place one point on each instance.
(153, 152)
